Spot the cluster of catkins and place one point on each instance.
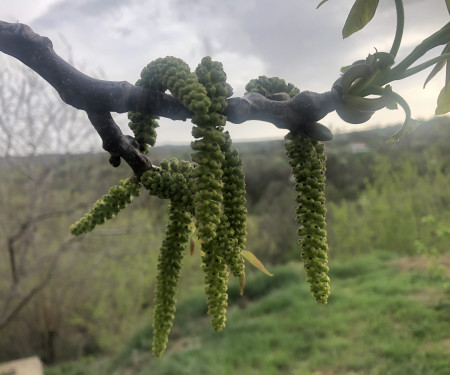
(307, 159)
(209, 194)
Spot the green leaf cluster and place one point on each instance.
(369, 76)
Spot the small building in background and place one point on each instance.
(359, 147)
(25, 366)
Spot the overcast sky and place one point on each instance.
(290, 39)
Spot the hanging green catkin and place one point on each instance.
(208, 154)
(169, 267)
(204, 94)
(171, 181)
(144, 125)
(144, 128)
(268, 86)
(307, 159)
(234, 208)
(210, 219)
(174, 74)
(108, 206)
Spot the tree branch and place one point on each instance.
(78, 89)
(118, 144)
(20, 233)
(8, 317)
(299, 113)
(99, 97)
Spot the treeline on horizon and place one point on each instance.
(390, 197)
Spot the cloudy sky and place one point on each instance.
(290, 39)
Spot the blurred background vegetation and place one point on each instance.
(86, 305)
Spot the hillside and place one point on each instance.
(381, 198)
(385, 316)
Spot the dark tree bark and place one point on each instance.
(99, 97)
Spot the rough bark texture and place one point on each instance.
(99, 97)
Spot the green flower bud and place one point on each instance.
(235, 214)
(169, 267)
(269, 86)
(216, 278)
(307, 158)
(108, 206)
(144, 129)
(214, 191)
(164, 165)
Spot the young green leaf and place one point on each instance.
(242, 285)
(409, 126)
(447, 73)
(443, 102)
(439, 65)
(392, 105)
(344, 68)
(324, 1)
(255, 261)
(360, 15)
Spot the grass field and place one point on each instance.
(385, 316)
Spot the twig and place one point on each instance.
(6, 320)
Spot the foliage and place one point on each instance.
(360, 15)
(89, 303)
(216, 201)
(366, 78)
(210, 194)
(86, 306)
(380, 319)
(393, 203)
(433, 245)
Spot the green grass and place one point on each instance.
(378, 321)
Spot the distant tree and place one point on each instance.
(33, 122)
(209, 193)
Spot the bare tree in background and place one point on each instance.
(33, 118)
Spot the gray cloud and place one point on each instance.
(290, 39)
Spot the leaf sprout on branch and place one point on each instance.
(372, 75)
